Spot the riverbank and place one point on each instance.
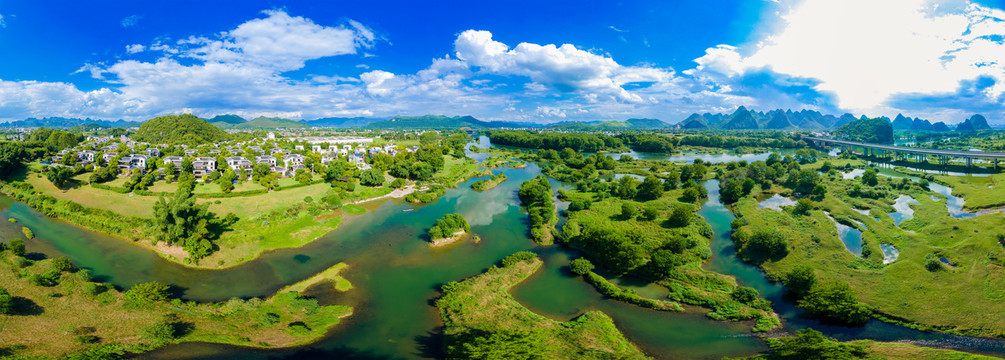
(481, 306)
(455, 237)
(65, 313)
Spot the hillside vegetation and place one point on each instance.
(179, 129)
(876, 131)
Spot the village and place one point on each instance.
(285, 156)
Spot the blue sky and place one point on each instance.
(539, 61)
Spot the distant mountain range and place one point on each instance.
(61, 122)
(741, 119)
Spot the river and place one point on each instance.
(396, 277)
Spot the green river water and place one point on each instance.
(396, 277)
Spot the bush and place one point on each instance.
(835, 303)
(681, 215)
(85, 339)
(812, 344)
(149, 291)
(803, 207)
(16, 246)
(628, 211)
(744, 294)
(6, 302)
(650, 213)
(581, 266)
(800, 280)
(518, 257)
(161, 331)
(764, 244)
(932, 263)
(48, 278)
(62, 264)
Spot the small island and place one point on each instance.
(449, 229)
(489, 183)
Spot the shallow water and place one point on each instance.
(850, 236)
(902, 209)
(775, 202)
(890, 253)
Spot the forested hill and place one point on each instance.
(876, 131)
(179, 129)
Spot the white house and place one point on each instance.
(238, 162)
(293, 159)
(263, 159)
(203, 166)
(87, 155)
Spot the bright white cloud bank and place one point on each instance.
(863, 56)
(866, 51)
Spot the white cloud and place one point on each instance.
(565, 68)
(279, 41)
(135, 48)
(866, 51)
(130, 21)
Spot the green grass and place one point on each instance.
(59, 313)
(965, 300)
(331, 275)
(483, 302)
(353, 209)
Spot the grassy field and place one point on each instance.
(981, 192)
(966, 298)
(483, 303)
(330, 275)
(48, 319)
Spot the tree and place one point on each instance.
(628, 210)
(62, 264)
(812, 344)
(59, 175)
(681, 215)
(303, 177)
(800, 280)
(834, 303)
(764, 244)
(149, 291)
(372, 177)
(819, 192)
(182, 221)
(803, 207)
(186, 166)
(16, 246)
(429, 138)
(869, 178)
(651, 188)
(581, 266)
(226, 181)
(650, 213)
(259, 171)
(12, 157)
(744, 294)
(6, 302)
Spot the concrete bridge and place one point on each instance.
(906, 153)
